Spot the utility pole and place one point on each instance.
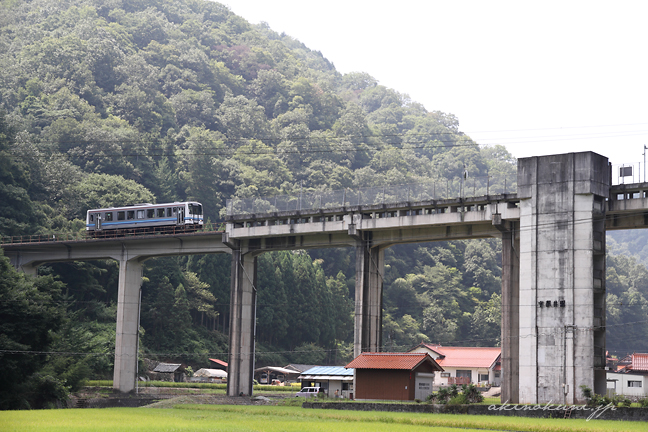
(644, 163)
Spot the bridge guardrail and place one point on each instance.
(107, 234)
(315, 200)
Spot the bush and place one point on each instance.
(594, 400)
(472, 393)
(451, 396)
(460, 399)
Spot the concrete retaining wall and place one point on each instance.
(538, 411)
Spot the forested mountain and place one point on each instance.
(117, 102)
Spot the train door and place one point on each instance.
(98, 222)
(181, 216)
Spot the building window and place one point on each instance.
(634, 383)
(445, 374)
(497, 374)
(483, 377)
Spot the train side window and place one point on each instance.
(109, 216)
(160, 212)
(169, 210)
(130, 214)
(121, 215)
(150, 213)
(140, 214)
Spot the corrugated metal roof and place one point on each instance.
(326, 377)
(166, 367)
(639, 361)
(476, 357)
(299, 367)
(275, 369)
(407, 361)
(329, 370)
(220, 362)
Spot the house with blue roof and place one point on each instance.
(336, 381)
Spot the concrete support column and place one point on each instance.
(562, 275)
(17, 260)
(510, 312)
(370, 262)
(128, 318)
(240, 376)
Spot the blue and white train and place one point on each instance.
(141, 218)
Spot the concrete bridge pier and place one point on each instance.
(510, 311)
(242, 322)
(562, 276)
(370, 263)
(128, 319)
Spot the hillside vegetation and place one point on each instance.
(107, 103)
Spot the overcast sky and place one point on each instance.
(539, 77)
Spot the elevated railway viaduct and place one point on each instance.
(553, 268)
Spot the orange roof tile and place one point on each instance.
(640, 361)
(407, 361)
(477, 357)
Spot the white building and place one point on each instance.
(335, 380)
(632, 379)
(465, 365)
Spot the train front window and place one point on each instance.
(195, 209)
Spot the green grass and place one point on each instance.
(273, 418)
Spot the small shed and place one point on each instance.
(219, 364)
(267, 374)
(174, 370)
(336, 381)
(393, 376)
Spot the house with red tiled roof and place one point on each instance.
(219, 364)
(393, 376)
(465, 365)
(631, 376)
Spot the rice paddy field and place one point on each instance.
(282, 419)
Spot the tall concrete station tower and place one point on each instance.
(562, 276)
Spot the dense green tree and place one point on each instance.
(103, 190)
(30, 310)
(17, 211)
